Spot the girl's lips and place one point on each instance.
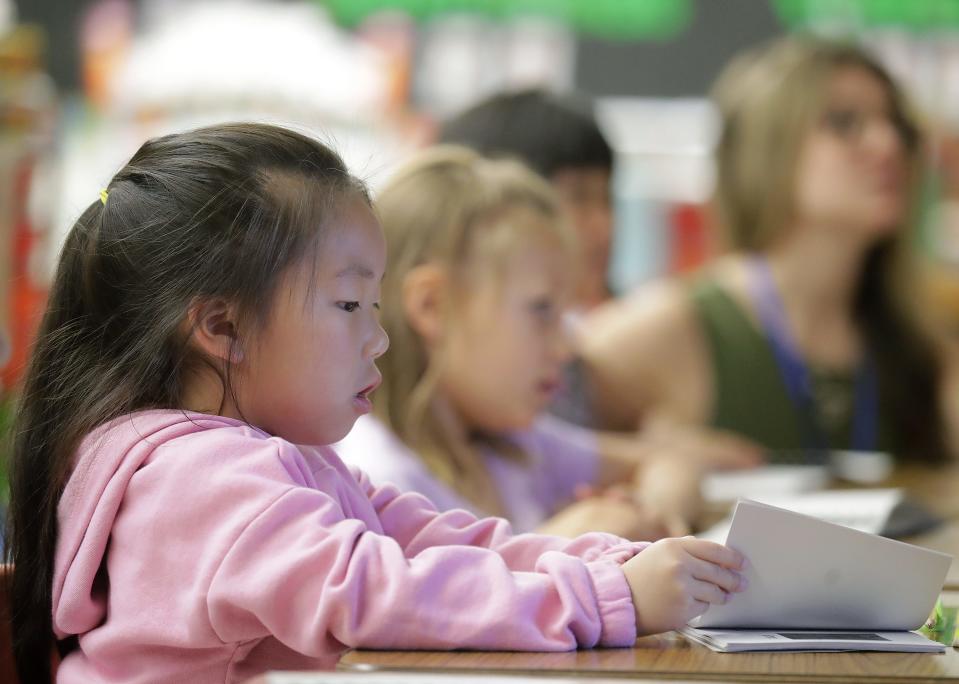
(369, 388)
(549, 387)
(362, 404)
(361, 400)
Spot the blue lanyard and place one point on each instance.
(796, 377)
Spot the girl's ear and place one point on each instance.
(214, 326)
(424, 290)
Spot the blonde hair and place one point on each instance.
(468, 214)
(769, 99)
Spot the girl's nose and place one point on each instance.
(379, 343)
(562, 344)
(884, 137)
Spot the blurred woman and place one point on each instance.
(808, 334)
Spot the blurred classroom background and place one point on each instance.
(82, 84)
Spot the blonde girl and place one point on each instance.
(483, 267)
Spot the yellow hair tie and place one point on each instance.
(103, 196)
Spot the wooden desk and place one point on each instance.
(938, 490)
(670, 657)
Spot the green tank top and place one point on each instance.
(750, 397)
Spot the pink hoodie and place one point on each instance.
(197, 548)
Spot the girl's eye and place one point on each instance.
(542, 308)
(845, 123)
(348, 307)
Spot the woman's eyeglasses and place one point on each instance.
(850, 124)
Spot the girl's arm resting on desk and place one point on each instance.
(415, 524)
(313, 578)
(611, 482)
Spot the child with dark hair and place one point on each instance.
(214, 312)
(559, 138)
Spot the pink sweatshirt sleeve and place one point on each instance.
(414, 522)
(313, 577)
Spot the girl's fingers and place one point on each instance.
(583, 491)
(737, 458)
(727, 580)
(714, 553)
(698, 608)
(620, 493)
(708, 592)
(676, 525)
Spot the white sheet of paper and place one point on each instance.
(733, 641)
(805, 573)
(867, 510)
(766, 480)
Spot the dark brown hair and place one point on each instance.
(223, 212)
(548, 132)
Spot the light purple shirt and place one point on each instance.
(560, 456)
(198, 548)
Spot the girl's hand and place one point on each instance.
(619, 515)
(709, 448)
(666, 493)
(676, 579)
(650, 520)
(670, 490)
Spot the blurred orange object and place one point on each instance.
(691, 246)
(27, 297)
(105, 37)
(28, 115)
